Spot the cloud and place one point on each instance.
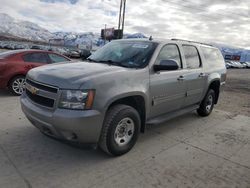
(203, 20)
(60, 1)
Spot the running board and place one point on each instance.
(171, 115)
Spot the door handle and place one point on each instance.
(202, 74)
(181, 78)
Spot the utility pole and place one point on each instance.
(105, 34)
(122, 17)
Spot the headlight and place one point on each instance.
(76, 99)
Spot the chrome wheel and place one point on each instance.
(124, 131)
(209, 103)
(18, 85)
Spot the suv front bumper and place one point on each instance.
(71, 125)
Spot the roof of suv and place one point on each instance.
(178, 41)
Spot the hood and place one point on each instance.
(71, 75)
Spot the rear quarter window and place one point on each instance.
(36, 57)
(213, 56)
(54, 58)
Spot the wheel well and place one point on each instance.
(14, 77)
(138, 103)
(215, 85)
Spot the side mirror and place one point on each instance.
(166, 65)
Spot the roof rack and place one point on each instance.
(193, 42)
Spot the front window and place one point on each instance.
(132, 54)
(170, 52)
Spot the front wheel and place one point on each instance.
(17, 85)
(207, 105)
(120, 130)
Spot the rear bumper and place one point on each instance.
(71, 125)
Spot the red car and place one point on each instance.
(14, 65)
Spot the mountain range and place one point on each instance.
(13, 28)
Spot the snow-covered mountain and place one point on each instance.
(135, 35)
(71, 38)
(31, 31)
(23, 29)
(12, 27)
(227, 49)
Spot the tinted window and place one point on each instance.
(213, 56)
(36, 57)
(168, 52)
(57, 58)
(192, 57)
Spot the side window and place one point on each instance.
(36, 58)
(192, 57)
(213, 56)
(56, 58)
(170, 51)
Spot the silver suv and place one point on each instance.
(109, 99)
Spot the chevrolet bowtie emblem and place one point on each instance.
(34, 90)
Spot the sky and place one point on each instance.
(221, 21)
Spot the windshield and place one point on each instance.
(132, 54)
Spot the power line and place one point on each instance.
(199, 9)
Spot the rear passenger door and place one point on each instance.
(195, 78)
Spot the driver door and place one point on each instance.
(167, 88)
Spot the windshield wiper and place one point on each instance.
(91, 60)
(110, 62)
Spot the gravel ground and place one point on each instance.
(188, 151)
(235, 97)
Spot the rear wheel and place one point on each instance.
(120, 130)
(17, 85)
(207, 105)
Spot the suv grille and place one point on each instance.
(41, 94)
(41, 86)
(40, 100)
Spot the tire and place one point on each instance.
(115, 139)
(207, 104)
(16, 85)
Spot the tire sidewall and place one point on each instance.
(11, 84)
(111, 144)
(210, 93)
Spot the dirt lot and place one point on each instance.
(235, 97)
(188, 151)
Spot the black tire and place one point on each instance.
(113, 117)
(207, 104)
(13, 83)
